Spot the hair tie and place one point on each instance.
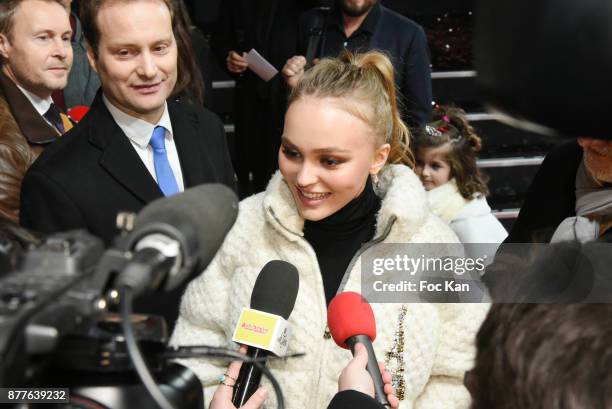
(444, 128)
(431, 131)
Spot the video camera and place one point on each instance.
(59, 320)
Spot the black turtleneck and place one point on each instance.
(338, 237)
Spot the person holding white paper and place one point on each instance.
(270, 28)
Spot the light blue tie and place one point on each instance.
(163, 171)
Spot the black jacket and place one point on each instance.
(551, 197)
(353, 400)
(93, 172)
(405, 43)
(270, 27)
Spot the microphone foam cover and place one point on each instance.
(276, 288)
(201, 215)
(350, 314)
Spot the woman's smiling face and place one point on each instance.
(326, 155)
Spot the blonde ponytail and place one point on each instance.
(367, 78)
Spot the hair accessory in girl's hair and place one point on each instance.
(431, 131)
(446, 119)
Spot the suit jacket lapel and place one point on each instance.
(118, 156)
(33, 126)
(195, 165)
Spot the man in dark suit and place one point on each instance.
(108, 163)
(133, 146)
(363, 25)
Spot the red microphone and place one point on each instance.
(351, 320)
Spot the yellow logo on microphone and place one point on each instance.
(262, 330)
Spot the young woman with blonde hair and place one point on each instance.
(345, 184)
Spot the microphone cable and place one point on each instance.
(140, 365)
(125, 309)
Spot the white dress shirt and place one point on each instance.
(139, 133)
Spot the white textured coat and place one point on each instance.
(476, 224)
(471, 220)
(438, 338)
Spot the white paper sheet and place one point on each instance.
(260, 65)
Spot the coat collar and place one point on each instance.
(121, 160)
(446, 201)
(188, 135)
(403, 195)
(33, 127)
(118, 157)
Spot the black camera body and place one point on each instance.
(58, 329)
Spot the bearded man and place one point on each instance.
(363, 25)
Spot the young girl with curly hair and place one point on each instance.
(456, 189)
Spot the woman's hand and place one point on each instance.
(355, 376)
(222, 399)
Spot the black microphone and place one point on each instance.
(274, 293)
(177, 236)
